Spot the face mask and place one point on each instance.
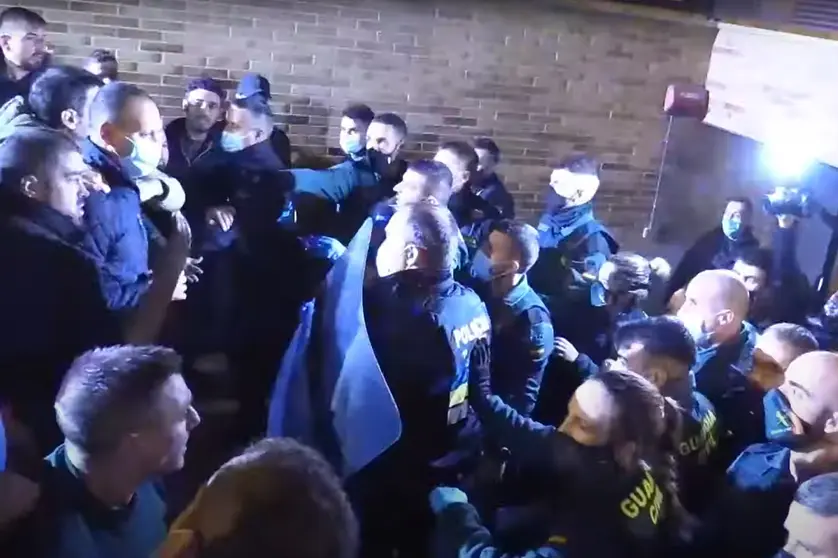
(695, 326)
(143, 160)
(732, 228)
(384, 263)
(231, 142)
(781, 424)
(481, 267)
(351, 144)
(378, 161)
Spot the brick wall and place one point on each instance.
(541, 80)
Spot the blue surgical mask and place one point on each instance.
(732, 228)
(231, 142)
(351, 144)
(780, 421)
(143, 160)
(481, 267)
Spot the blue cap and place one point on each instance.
(253, 84)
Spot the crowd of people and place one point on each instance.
(528, 391)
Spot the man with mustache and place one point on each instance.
(22, 39)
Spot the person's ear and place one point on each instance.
(509, 268)
(831, 426)
(30, 186)
(411, 255)
(4, 42)
(724, 317)
(70, 119)
(185, 105)
(658, 376)
(110, 136)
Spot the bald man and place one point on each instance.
(714, 312)
(801, 428)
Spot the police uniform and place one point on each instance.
(522, 340)
(590, 506)
(695, 452)
(573, 246)
(422, 328)
(474, 216)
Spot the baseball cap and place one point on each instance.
(253, 84)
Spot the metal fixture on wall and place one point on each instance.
(681, 101)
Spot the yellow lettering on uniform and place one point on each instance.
(648, 486)
(683, 449)
(639, 497)
(657, 502)
(629, 509)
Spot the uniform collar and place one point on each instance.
(422, 280)
(516, 297)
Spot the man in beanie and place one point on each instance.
(253, 85)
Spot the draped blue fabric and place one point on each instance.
(330, 369)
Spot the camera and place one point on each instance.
(785, 200)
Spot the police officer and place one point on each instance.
(246, 202)
(522, 335)
(353, 187)
(256, 84)
(488, 185)
(422, 326)
(573, 243)
(661, 350)
(423, 182)
(473, 213)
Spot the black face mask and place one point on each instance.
(378, 161)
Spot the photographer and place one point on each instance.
(778, 289)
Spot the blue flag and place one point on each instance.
(330, 375)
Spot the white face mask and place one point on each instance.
(387, 261)
(695, 325)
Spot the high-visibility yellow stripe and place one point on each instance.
(458, 396)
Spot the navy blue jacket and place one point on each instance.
(52, 299)
(697, 478)
(493, 191)
(747, 518)
(10, 89)
(118, 230)
(522, 341)
(422, 329)
(197, 176)
(721, 374)
(208, 157)
(573, 247)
